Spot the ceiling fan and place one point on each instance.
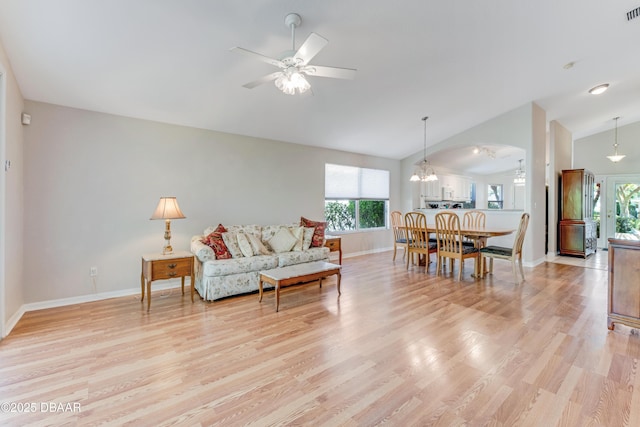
(294, 64)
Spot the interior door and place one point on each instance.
(623, 207)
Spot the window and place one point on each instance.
(355, 198)
(495, 196)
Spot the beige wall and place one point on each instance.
(11, 198)
(93, 180)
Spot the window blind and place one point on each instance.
(350, 182)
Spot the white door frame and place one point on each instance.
(607, 212)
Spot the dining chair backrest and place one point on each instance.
(416, 226)
(522, 229)
(474, 219)
(397, 224)
(448, 233)
(513, 254)
(450, 244)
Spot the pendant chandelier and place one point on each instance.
(616, 157)
(424, 172)
(520, 175)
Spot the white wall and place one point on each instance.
(11, 198)
(93, 180)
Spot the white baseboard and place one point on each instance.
(373, 251)
(13, 321)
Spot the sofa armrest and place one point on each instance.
(200, 250)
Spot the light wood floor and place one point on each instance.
(402, 348)
(599, 260)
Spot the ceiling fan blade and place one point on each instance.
(258, 56)
(266, 79)
(310, 48)
(334, 72)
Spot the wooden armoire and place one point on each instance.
(577, 228)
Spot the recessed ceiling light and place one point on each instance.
(599, 89)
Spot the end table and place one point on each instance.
(334, 243)
(160, 267)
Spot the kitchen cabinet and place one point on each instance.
(447, 188)
(432, 191)
(462, 189)
(577, 230)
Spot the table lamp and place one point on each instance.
(167, 209)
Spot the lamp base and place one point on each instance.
(167, 250)
(167, 238)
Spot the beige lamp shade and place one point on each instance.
(167, 209)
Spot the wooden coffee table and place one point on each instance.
(300, 273)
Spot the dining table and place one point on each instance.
(479, 236)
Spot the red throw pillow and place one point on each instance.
(215, 242)
(220, 229)
(318, 233)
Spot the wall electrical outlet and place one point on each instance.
(93, 272)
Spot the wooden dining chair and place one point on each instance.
(473, 219)
(449, 240)
(513, 254)
(399, 233)
(418, 237)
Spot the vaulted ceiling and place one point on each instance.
(459, 62)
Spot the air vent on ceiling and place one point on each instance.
(633, 13)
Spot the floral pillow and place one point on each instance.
(318, 235)
(214, 241)
(220, 229)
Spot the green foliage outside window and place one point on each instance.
(372, 213)
(341, 214)
(627, 208)
(626, 224)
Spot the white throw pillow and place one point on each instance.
(231, 242)
(258, 247)
(283, 240)
(298, 233)
(307, 238)
(244, 244)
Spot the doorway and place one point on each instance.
(623, 207)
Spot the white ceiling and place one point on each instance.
(459, 62)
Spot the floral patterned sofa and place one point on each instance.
(229, 259)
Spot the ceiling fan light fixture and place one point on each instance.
(291, 82)
(597, 90)
(294, 64)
